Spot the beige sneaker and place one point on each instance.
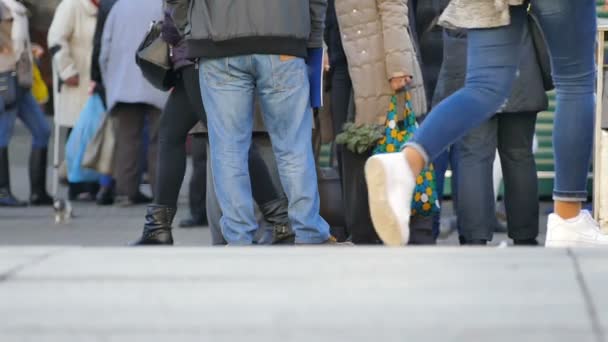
(581, 231)
(390, 186)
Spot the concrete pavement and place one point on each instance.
(302, 294)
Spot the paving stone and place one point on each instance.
(297, 294)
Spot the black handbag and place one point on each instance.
(8, 89)
(154, 60)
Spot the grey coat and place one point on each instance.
(221, 28)
(123, 32)
(528, 92)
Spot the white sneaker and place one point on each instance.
(581, 231)
(390, 186)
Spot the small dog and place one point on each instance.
(63, 211)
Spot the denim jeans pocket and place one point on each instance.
(287, 73)
(216, 72)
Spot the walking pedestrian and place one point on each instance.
(16, 100)
(266, 56)
(494, 45)
(512, 132)
(129, 97)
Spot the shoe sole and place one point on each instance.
(386, 222)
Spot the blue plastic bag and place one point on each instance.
(83, 132)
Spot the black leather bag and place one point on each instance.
(8, 89)
(154, 60)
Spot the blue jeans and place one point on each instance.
(493, 58)
(29, 111)
(227, 87)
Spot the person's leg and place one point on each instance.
(262, 187)
(475, 206)
(285, 100)
(175, 121)
(32, 116)
(341, 90)
(7, 124)
(153, 118)
(227, 86)
(197, 192)
(515, 137)
(128, 143)
(441, 166)
(567, 24)
(356, 208)
(493, 58)
(214, 212)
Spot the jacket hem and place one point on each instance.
(206, 48)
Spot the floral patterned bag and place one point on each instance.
(398, 131)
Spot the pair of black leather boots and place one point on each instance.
(159, 219)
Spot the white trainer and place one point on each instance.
(581, 231)
(390, 187)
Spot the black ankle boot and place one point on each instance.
(525, 242)
(473, 242)
(275, 212)
(6, 197)
(157, 229)
(39, 196)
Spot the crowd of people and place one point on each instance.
(427, 85)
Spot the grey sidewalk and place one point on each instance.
(302, 294)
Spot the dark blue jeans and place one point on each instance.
(493, 58)
(513, 135)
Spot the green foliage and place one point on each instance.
(360, 138)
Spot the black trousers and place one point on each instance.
(512, 134)
(197, 194)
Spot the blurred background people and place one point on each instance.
(70, 39)
(17, 100)
(129, 97)
(105, 196)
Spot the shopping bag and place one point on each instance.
(99, 153)
(83, 132)
(398, 130)
(39, 88)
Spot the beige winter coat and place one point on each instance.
(378, 46)
(471, 14)
(72, 31)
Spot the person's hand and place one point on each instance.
(326, 65)
(73, 81)
(37, 51)
(398, 83)
(92, 87)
